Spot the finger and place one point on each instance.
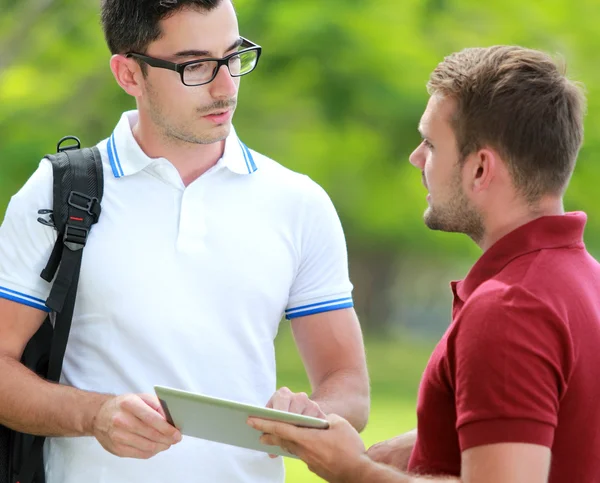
(281, 399)
(262, 425)
(285, 445)
(283, 430)
(271, 455)
(155, 404)
(270, 440)
(150, 417)
(375, 455)
(299, 403)
(282, 402)
(277, 394)
(373, 451)
(152, 401)
(134, 446)
(125, 451)
(377, 448)
(315, 411)
(129, 423)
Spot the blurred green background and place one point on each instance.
(337, 95)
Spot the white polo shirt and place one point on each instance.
(182, 287)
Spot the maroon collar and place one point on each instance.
(542, 233)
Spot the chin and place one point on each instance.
(215, 135)
(436, 221)
(428, 215)
(220, 129)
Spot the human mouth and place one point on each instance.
(219, 117)
(425, 185)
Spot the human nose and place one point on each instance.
(417, 157)
(224, 85)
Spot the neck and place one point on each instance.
(191, 160)
(501, 222)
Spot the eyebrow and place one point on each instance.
(205, 53)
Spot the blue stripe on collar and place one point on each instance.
(119, 167)
(113, 157)
(245, 156)
(249, 159)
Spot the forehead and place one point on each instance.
(191, 28)
(438, 114)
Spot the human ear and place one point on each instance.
(482, 169)
(128, 74)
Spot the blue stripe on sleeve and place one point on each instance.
(24, 299)
(328, 308)
(302, 307)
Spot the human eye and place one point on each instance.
(198, 67)
(427, 144)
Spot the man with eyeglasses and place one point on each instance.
(202, 247)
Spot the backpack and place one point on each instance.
(77, 192)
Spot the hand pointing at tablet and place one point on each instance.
(286, 400)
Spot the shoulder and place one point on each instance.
(38, 188)
(295, 184)
(497, 296)
(498, 312)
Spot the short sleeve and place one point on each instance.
(322, 282)
(25, 243)
(509, 359)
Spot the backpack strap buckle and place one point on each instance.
(75, 237)
(83, 202)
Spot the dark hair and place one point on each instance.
(519, 102)
(130, 25)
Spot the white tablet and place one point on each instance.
(224, 421)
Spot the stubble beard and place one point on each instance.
(178, 133)
(456, 215)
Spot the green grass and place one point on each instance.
(395, 368)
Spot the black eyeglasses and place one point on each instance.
(199, 72)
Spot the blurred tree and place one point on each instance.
(338, 95)
(16, 41)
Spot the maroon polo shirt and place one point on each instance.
(521, 360)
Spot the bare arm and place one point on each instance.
(494, 463)
(129, 425)
(337, 454)
(369, 471)
(331, 347)
(28, 403)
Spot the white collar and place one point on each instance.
(127, 158)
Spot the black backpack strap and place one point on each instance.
(78, 191)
